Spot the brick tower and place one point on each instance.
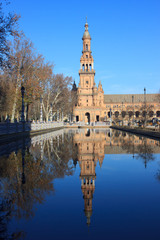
(90, 98)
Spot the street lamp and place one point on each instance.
(133, 108)
(41, 111)
(62, 115)
(110, 117)
(51, 114)
(57, 115)
(22, 113)
(145, 107)
(122, 114)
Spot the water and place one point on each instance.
(80, 184)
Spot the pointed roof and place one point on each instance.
(86, 33)
(100, 84)
(74, 87)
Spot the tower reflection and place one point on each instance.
(90, 144)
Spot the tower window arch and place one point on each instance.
(86, 47)
(87, 67)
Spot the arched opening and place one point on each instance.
(83, 67)
(88, 117)
(123, 134)
(88, 133)
(86, 47)
(97, 118)
(109, 114)
(137, 114)
(123, 114)
(151, 113)
(77, 118)
(158, 113)
(87, 67)
(90, 67)
(116, 114)
(117, 133)
(130, 114)
(144, 113)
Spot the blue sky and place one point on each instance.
(125, 39)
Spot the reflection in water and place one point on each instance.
(90, 150)
(27, 174)
(142, 147)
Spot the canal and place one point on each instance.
(80, 184)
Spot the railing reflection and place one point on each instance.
(28, 167)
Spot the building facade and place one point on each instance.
(94, 106)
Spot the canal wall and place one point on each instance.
(18, 129)
(139, 131)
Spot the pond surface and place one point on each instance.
(80, 184)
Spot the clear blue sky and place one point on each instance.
(125, 39)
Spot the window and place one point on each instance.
(87, 100)
(86, 56)
(86, 47)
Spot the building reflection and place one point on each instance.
(28, 168)
(93, 144)
(90, 145)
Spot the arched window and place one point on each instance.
(137, 114)
(123, 114)
(87, 67)
(144, 113)
(130, 113)
(158, 113)
(109, 114)
(86, 47)
(116, 114)
(151, 113)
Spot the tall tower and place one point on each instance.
(90, 99)
(86, 72)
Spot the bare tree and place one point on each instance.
(146, 113)
(8, 27)
(56, 94)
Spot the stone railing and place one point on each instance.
(81, 124)
(45, 126)
(19, 127)
(102, 124)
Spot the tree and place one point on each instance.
(146, 113)
(21, 63)
(8, 27)
(56, 94)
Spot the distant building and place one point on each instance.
(94, 106)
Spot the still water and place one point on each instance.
(80, 184)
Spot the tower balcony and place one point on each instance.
(81, 71)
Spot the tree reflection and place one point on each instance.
(27, 176)
(142, 149)
(145, 152)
